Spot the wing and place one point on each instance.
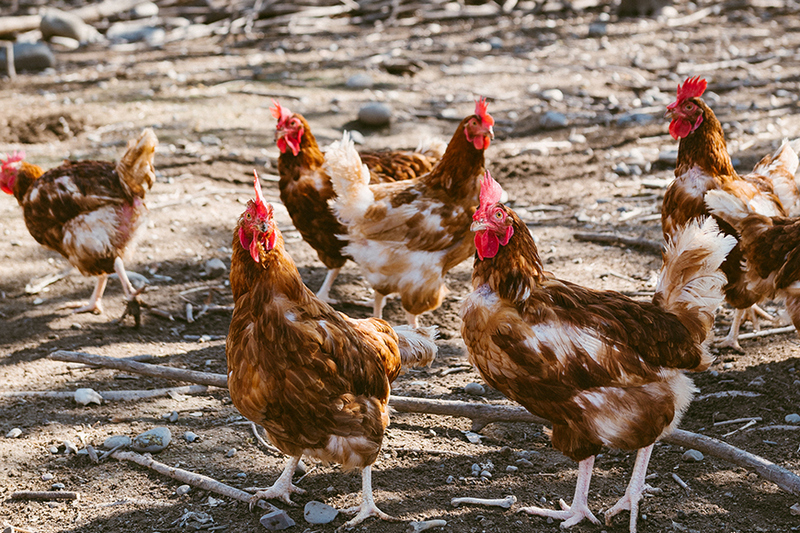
(772, 247)
(396, 165)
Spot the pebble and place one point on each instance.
(598, 29)
(30, 56)
(357, 137)
(137, 280)
(69, 448)
(231, 452)
(319, 513)
(727, 366)
(190, 436)
(692, 456)
(553, 119)
(54, 449)
(47, 477)
(450, 480)
(215, 268)
(375, 114)
(511, 469)
(524, 462)
(58, 486)
(14, 433)
(360, 81)
(87, 396)
(145, 10)
(301, 469)
(183, 489)
(795, 509)
(476, 469)
(474, 389)
(486, 474)
(554, 95)
(276, 520)
(793, 418)
(473, 437)
(57, 23)
(153, 440)
(136, 31)
(496, 43)
(116, 440)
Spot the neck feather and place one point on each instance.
(705, 147)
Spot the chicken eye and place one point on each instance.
(498, 215)
(248, 216)
(689, 106)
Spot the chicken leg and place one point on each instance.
(731, 340)
(324, 291)
(635, 490)
(367, 507)
(413, 320)
(94, 305)
(283, 488)
(575, 513)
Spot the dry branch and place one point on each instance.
(646, 245)
(480, 414)
(190, 478)
(110, 396)
(44, 495)
(11, 25)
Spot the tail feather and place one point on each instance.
(416, 345)
(431, 147)
(690, 284)
(728, 207)
(781, 168)
(350, 179)
(135, 168)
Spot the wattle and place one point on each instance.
(487, 244)
(480, 142)
(282, 145)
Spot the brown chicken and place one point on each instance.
(315, 379)
(406, 235)
(306, 189)
(604, 369)
(770, 246)
(703, 165)
(88, 211)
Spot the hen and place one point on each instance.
(306, 189)
(604, 369)
(88, 211)
(406, 235)
(770, 246)
(316, 380)
(703, 165)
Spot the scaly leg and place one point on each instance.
(575, 513)
(127, 287)
(282, 488)
(413, 320)
(633, 494)
(323, 293)
(377, 306)
(94, 305)
(367, 507)
(732, 340)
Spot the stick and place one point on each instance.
(480, 414)
(190, 478)
(44, 495)
(110, 396)
(36, 285)
(11, 70)
(766, 332)
(645, 245)
(681, 482)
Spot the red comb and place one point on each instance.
(263, 207)
(281, 113)
(691, 88)
(480, 109)
(491, 191)
(13, 158)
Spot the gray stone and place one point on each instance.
(598, 29)
(87, 396)
(190, 436)
(183, 489)
(153, 440)
(692, 456)
(474, 389)
(496, 43)
(450, 480)
(47, 477)
(14, 433)
(319, 513)
(554, 95)
(553, 119)
(231, 452)
(58, 486)
(375, 114)
(29, 56)
(511, 469)
(136, 31)
(57, 23)
(276, 520)
(793, 418)
(144, 10)
(360, 81)
(116, 440)
(476, 469)
(69, 447)
(173, 416)
(215, 267)
(486, 474)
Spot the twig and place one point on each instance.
(750, 423)
(44, 495)
(697, 16)
(189, 313)
(10, 68)
(263, 442)
(36, 285)
(114, 395)
(681, 482)
(645, 245)
(480, 414)
(781, 427)
(766, 332)
(190, 478)
(737, 420)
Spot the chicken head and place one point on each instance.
(8, 171)
(256, 225)
(685, 113)
(289, 131)
(479, 127)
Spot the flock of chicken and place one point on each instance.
(604, 369)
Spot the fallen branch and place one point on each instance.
(191, 478)
(36, 285)
(110, 396)
(480, 414)
(44, 495)
(766, 332)
(646, 245)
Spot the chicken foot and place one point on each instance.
(367, 507)
(635, 490)
(752, 313)
(283, 488)
(575, 513)
(94, 305)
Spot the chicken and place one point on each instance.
(88, 211)
(770, 246)
(406, 235)
(315, 379)
(604, 369)
(306, 189)
(703, 165)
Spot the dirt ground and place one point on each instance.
(208, 101)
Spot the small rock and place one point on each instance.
(70, 448)
(496, 43)
(231, 452)
(87, 396)
(793, 418)
(14, 433)
(319, 513)
(183, 489)
(153, 440)
(486, 474)
(692, 456)
(360, 81)
(241, 475)
(145, 10)
(54, 449)
(357, 137)
(511, 469)
(598, 29)
(301, 469)
(276, 520)
(375, 114)
(476, 469)
(58, 486)
(795, 509)
(136, 31)
(115, 441)
(474, 389)
(473, 437)
(75, 325)
(57, 23)
(450, 480)
(552, 120)
(47, 477)
(33, 57)
(727, 366)
(554, 95)
(137, 280)
(190, 436)
(215, 268)
(171, 417)
(524, 462)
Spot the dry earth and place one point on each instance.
(209, 103)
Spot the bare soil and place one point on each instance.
(209, 102)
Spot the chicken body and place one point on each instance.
(604, 369)
(305, 187)
(88, 211)
(703, 165)
(406, 235)
(316, 380)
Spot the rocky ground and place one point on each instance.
(581, 146)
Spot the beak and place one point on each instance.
(263, 227)
(670, 112)
(478, 225)
(491, 132)
(280, 133)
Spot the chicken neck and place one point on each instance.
(27, 174)
(458, 170)
(705, 148)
